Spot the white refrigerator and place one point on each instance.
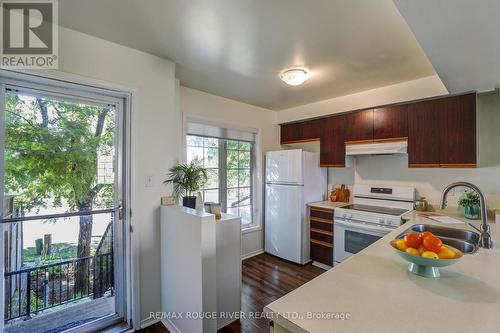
(293, 179)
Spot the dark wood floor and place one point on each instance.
(265, 279)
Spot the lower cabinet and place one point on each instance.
(321, 235)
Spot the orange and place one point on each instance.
(430, 255)
(412, 251)
(400, 245)
(446, 253)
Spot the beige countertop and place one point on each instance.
(327, 204)
(378, 294)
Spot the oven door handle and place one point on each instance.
(362, 226)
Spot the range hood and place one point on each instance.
(377, 148)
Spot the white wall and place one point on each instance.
(200, 104)
(156, 128)
(430, 182)
(400, 92)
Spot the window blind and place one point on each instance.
(199, 128)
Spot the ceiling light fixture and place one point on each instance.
(295, 76)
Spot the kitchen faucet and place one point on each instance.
(486, 241)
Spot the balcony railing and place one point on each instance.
(34, 289)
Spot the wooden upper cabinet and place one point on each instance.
(457, 131)
(441, 132)
(423, 135)
(390, 123)
(332, 145)
(290, 132)
(359, 126)
(305, 131)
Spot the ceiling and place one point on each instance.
(461, 39)
(236, 49)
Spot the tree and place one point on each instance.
(51, 150)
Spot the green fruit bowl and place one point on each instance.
(426, 267)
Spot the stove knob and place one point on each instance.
(349, 216)
(381, 221)
(344, 215)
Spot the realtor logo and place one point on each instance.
(29, 36)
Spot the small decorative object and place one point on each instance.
(421, 204)
(216, 210)
(168, 201)
(199, 202)
(341, 194)
(469, 203)
(187, 179)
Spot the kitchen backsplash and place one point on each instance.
(429, 183)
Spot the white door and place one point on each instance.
(284, 167)
(284, 211)
(69, 273)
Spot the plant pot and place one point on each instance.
(471, 212)
(189, 202)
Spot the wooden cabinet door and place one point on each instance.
(457, 131)
(359, 126)
(305, 131)
(332, 145)
(290, 132)
(312, 129)
(390, 123)
(423, 135)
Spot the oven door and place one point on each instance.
(350, 237)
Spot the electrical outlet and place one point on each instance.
(149, 181)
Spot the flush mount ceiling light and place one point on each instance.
(295, 76)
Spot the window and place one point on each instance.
(230, 177)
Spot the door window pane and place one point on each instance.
(59, 157)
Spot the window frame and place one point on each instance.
(222, 178)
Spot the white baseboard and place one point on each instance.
(148, 322)
(170, 326)
(252, 254)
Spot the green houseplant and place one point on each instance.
(187, 179)
(469, 202)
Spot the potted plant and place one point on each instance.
(187, 179)
(469, 201)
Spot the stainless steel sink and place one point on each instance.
(464, 240)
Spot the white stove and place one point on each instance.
(376, 211)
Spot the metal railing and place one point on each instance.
(31, 290)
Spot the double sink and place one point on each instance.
(464, 240)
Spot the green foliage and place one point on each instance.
(469, 199)
(51, 151)
(187, 178)
(60, 251)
